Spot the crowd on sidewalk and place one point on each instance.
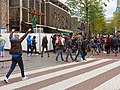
(73, 45)
(80, 45)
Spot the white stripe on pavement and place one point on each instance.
(43, 69)
(80, 78)
(50, 75)
(112, 84)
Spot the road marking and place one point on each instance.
(43, 69)
(51, 75)
(112, 84)
(80, 78)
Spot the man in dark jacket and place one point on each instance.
(16, 52)
(44, 45)
(34, 44)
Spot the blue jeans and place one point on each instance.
(13, 65)
(1, 49)
(60, 52)
(69, 53)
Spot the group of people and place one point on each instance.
(31, 45)
(108, 44)
(68, 44)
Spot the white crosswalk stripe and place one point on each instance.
(44, 69)
(80, 78)
(69, 82)
(112, 84)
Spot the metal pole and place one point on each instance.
(20, 14)
(40, 29)
(28, 10)
(8, 16)
(44, 12)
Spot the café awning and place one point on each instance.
(65, 31)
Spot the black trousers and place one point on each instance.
(107, 49)
(29, 49)
(44, 47)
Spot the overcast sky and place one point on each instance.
(111, 7)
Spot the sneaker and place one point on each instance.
(84, 60)
(6, 80)
(28, 55)
(24, 78)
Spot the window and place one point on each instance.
(25, 15)
(31, 2)
(14, 3)
(25, 3)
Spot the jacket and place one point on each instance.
(16, 47)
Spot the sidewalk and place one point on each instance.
(30, 63)
(36, 62)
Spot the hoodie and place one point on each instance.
(29, 40)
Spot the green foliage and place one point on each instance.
(96, 16)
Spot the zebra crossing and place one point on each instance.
(96, 74)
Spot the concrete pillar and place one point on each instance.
(3, 14)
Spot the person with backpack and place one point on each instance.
(16, 53)
(59, 47)
(44, 45)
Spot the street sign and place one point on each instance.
(82, 26)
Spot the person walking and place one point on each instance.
(79, 48)
(29, 45)
(16, 53)
(69, 47)
(34, 44)
(2, 44)
(107, 44)
(115, 44)
(44, 45)
(59, 47)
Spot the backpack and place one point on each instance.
(59, 42)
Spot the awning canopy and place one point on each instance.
(64, 31)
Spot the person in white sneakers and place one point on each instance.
(16, 53)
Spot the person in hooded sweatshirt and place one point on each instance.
(29, 45)
(16, 53)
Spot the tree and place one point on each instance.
(89, 11)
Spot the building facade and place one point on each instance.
(4, 15)
(19, 14)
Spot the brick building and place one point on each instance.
(50, 15)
